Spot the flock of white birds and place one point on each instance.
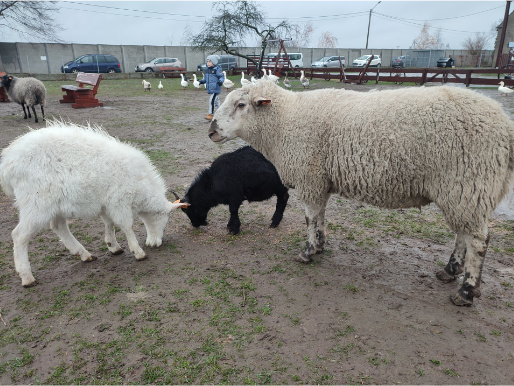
(228, 84)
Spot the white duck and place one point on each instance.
(196, 82)
(287, 83)
(504, 90)
(227, 83)
(253, 80)
(304, 80)
(184, 83)
(244, 82)
(160, 86)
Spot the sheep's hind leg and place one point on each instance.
(34, 111)
(455, 265)
(110, 236)
(60, 226)
(25, 112)
(21, 236)
(234, 224)
(476, 248)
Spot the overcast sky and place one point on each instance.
(394, 24)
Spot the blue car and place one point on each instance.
(93, 63)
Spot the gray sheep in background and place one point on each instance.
(393, 149)
(25, 91)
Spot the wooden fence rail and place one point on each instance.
(472, 76)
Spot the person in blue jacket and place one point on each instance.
(213, 80)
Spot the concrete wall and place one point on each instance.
(47, 58)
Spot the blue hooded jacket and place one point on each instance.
(213, 79)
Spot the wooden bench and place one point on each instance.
(3, 93)
(82, 96)
(173, 72)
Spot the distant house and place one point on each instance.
(509, 37)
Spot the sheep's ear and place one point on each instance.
(260, 101)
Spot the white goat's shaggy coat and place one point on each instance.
(394, 149)
(65, 171)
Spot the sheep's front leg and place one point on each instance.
(25, 112)
(455, 265)
(315, 219)
(21, 236)
(234, 225)
(60, 226)
(110, 236)
(34, 111)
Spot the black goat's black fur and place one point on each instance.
(244, 174)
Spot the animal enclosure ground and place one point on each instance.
(208, 307)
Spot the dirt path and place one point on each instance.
(207, 307)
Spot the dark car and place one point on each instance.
(403, 61)
(227, 63)
(93, 63)
(445, 62)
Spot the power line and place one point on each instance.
(446, 18)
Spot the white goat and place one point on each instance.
(64, 171)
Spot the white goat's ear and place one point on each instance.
(260, 101)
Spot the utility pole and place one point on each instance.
(369, 22)
(504, 31)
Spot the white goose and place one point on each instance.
(253, 80)
(227, 83)
(272, 77)
(160, 86)
(504, 90)
(196, 82)
(184, 83)
(287, 83)
(265, 76)
(304, 80)
(244, 82)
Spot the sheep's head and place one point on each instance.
(6, 81)
(239, 107)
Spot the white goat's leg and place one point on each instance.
(476, 248)
(132, 243)
(21, 236)
(315, 235)
(152, 238)
(60, 226)
(110, 236)
(124, 219)
(455, 265)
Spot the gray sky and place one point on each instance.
(394, 24)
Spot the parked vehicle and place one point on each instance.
(296, 58)
(154, 64)
(445, 62)
(403, 61)
(329, 61)
(227, 63)
(93, 63)
(363, 60)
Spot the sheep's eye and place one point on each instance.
(241, 105)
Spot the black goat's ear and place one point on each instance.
(260, 101)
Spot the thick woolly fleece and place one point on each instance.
(28, 91)
(393, 148)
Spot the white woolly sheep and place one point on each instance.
(66, 171)
(25, 91)
(393, 149)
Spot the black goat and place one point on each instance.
(233, 177)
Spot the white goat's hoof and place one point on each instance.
(140, 256)
(28, 281)
(88, 258)
(118, 251)
(153, 243)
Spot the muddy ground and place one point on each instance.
(208, 307)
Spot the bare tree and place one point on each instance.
(425, 40)
(476, 45)
(300, 35)
(327, 40)
(34, 19)
(234, 22)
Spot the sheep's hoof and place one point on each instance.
(273, 225)
(460, 300)
(445, 276)
(303, 258)
(233, 232)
